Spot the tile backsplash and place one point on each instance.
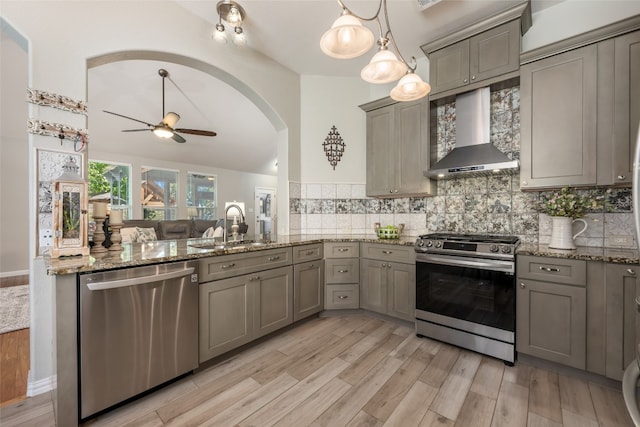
(485, 205)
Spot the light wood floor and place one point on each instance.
(358, 370)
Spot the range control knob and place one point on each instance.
(438, 244)
(493, 248)
(506, 249)
(420, 242)
(429, 243)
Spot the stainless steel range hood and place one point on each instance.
(473, 153)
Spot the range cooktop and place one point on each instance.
(479, 245)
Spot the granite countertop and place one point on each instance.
(138, 254)
(614, 255)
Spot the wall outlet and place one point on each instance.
(46, 237)
(621, 240)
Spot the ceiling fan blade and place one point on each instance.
(127, 117)
(136, 130)
(197, 132)
(178, 138)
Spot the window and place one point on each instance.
(111, 182)
(201, 196)
(159, 193)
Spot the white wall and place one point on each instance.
(329, 101)
(14, 155)
(63, 35)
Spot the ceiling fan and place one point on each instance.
(166, 128)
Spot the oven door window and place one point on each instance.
(478, 296)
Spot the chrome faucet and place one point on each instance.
(234, 227)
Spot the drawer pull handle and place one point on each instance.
(233, 264)
(311, 265)
(343, 271)
(273, 258)
(522, 285)
(309, 253)
(387, 252)
(343, 297)
(343, 249)
(550, 269)
(631, 272)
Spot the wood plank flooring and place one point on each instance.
(358, 370)
(14, 366)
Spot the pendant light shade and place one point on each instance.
(384, 67)
(347, 38)
(410, 88)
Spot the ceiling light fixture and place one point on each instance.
(349, 38)
(234, 15)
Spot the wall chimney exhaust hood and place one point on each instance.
(473, 153)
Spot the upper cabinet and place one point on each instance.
(580, 108)
(492, 53)
(478, 55)
(397, 148)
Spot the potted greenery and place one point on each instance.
(565, 207)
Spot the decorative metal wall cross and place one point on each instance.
(333, 147)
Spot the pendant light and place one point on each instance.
(348, 38)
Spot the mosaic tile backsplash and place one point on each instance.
(493, 205)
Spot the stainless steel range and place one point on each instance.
(466, 291)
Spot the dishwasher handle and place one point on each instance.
(134, 281)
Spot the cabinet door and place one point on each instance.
(449, 67)
(551, 322)
(627, 105)
(558, 113)
(401, 291)
(273, 299)
(411, 147)
(373, 285)
(308, 289)
(379, 151)
(623, 287)
(226, 316)
(495, 52)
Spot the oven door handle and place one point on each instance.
(495, 265)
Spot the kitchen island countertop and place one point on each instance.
(614, 255)
(161, 251)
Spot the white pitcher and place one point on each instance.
(562, 232)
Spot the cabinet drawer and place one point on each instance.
(558, 270)
(382, 252)
(341, 296)
(220, 267)
(306, 253)
(342, 270)
(342, 249)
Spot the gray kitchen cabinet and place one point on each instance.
(626, 112)
(622, 330)
(342, 275)
(273, 299)
(388, 280)
(397, 148)
(558, 115)
(308, 281)
(551, 314)
(489, 54)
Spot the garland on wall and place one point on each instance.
(47, 99)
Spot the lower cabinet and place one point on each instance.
(386, 285)
(240, 309)
(308, 289)
(551, 310)
(342, 275)
(622, 330)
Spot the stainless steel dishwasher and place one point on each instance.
(138, 329)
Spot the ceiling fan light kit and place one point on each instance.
(349, 38)
(167, 127)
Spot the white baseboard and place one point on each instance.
(44, 385)
(13, 273)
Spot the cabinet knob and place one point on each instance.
(522, 285)
(395, 191)
(465, 80)
(384, 265)
(525, 183)
(631, 271)
(390, 191)
(473, 77)
(622, 177)
(388, 265)
(311, 265)
(253, 278)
